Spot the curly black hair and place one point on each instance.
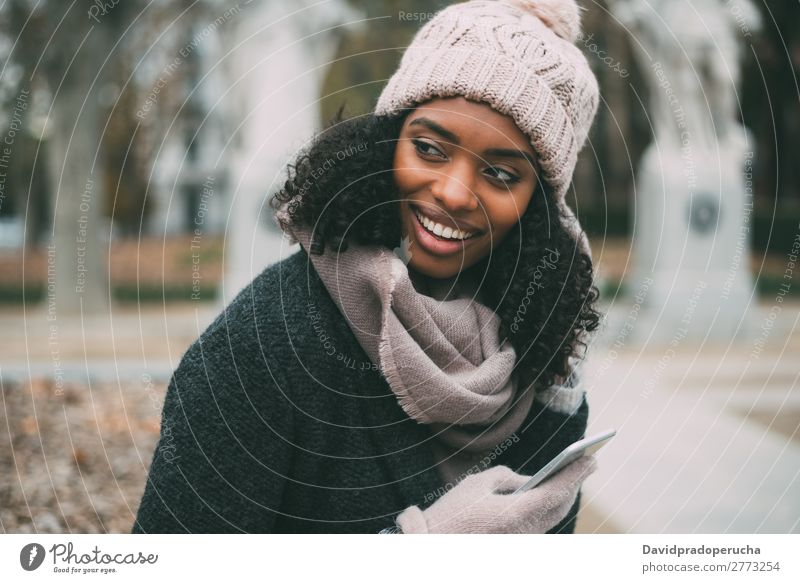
(342, 185)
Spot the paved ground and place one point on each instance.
(708, 438)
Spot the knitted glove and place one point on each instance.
(482, 503)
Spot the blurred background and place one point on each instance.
(140, 141)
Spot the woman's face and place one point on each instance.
(465, 175)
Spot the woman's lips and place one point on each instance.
(434, 244)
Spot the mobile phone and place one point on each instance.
(572, 452)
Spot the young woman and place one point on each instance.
(416, 360)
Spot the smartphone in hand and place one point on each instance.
(572, 452)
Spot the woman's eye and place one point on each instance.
(427, 149)
(501, 175)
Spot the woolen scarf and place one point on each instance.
(440, 353)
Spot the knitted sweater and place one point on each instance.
(275, 421)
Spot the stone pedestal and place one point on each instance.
(692, 230)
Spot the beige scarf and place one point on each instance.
(439, 353)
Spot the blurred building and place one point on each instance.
(191, 178)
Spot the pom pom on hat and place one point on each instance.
(561, 16)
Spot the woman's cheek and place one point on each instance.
(507, 214)
(402, 180)
(408, 176)
(500, 220)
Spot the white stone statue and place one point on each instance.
(275, 59)
(694, 195)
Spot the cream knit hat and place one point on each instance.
(519, 57)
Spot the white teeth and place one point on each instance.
(441, 230)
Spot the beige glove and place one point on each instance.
(483, 503)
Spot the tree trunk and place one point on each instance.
(81, 280)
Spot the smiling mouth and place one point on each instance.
(443, 232)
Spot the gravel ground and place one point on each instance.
(74, 459)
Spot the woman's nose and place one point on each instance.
(454, 188)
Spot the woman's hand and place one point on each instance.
(483, 503)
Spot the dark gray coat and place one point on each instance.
(276, 421)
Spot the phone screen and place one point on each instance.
(586, 446)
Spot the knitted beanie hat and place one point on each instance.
(519, 57)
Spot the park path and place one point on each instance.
(708, 436)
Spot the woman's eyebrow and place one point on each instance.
(510, 153)
(432, 125)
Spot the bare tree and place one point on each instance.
(85, 53)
